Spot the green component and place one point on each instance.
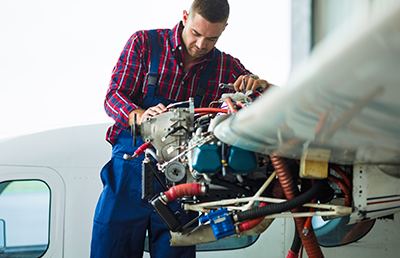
(207, 159)
(241, 161)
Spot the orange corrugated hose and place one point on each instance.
(290, 188)
(179, 191)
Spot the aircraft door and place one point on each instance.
(32, 201)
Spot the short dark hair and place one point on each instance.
(213, 11)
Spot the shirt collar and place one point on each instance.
(176, 41)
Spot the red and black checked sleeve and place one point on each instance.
(126, 81)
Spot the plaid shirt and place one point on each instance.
(129, 77)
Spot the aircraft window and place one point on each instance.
(24, 218)
(337, 232)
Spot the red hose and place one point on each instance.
(240, 104)
(142, 148)
(245, 226)
(277, 191)
(290, 188)
(179, 191)
(231, 108)
(344, 187)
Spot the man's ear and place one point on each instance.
(185, 17)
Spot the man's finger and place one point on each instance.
(250, 84)
(238, 84)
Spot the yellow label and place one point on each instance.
(314, 163)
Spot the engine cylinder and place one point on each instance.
(207, 159)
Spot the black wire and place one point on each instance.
(296, 244)
(174, 130)
(162, 148)
(284, 206)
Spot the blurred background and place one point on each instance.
(56, 57)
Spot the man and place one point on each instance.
(122, 217)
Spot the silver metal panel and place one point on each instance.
(345, 99)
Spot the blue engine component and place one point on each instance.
(220, 222)
(207, 159)
(241, 161)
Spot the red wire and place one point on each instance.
(210, 110)
(342, 174)
(308, 221)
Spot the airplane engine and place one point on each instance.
(186, 151)
(235, 191)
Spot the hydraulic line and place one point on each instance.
(291, 191)
(283, 206)
(210, 110)
(179, 191)
(139, 151)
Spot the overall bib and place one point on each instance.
(122, 217)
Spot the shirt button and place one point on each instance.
(180, 48)
(182, 83)
(181, 64)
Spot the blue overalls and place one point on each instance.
(122, 217)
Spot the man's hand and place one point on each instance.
(142, 114)
(251, 83)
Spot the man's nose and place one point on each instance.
(201, 43)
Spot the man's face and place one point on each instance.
(199, 36)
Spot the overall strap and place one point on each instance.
(202, 87)
(155, 60)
